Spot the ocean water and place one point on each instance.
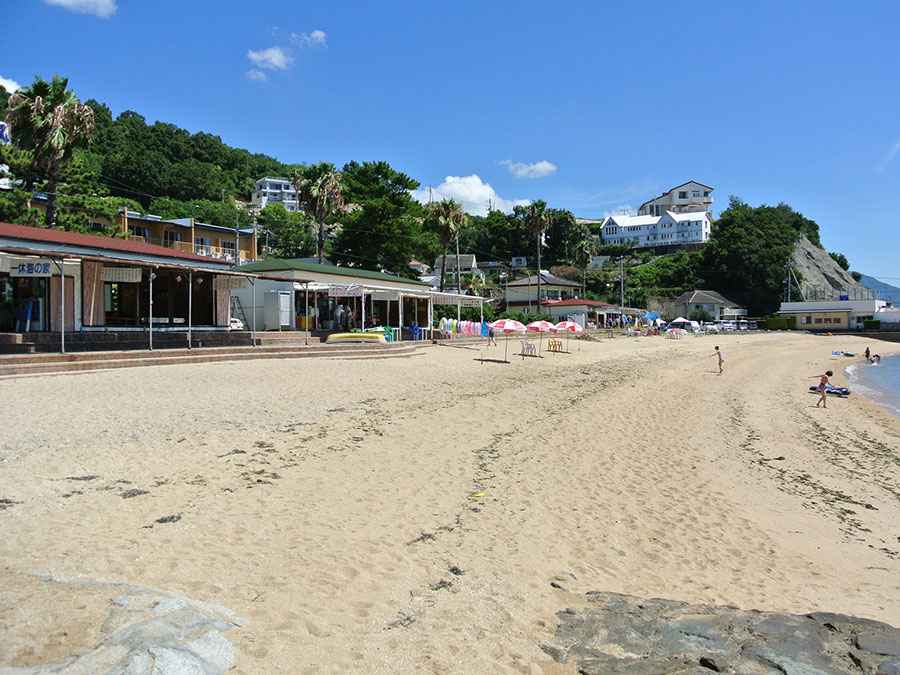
(880, 383)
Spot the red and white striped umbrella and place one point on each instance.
(540, 327)
(568, 327)
(508, 326)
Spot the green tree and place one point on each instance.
(537, 219)
(746, 255)
(583, 253)
(321, 197)
(48, 120)
(564, 234)
(384, 227)
(291, 233)
(841, 260)
(445, 218)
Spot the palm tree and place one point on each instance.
(536, 220)
(322, 198)
(447, 217)
(48, 120)
(584, 250)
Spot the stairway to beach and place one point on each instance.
(24, 365)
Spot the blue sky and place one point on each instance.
(593, 106)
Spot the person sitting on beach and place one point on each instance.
(822, 389)
(721, 356)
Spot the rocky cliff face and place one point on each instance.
(821, 278)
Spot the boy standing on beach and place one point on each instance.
(721, 356)
(823, 387)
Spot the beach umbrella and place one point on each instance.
(507, 326)
(540, 327)
(568, 327)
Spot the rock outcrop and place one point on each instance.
(145, 632)
(623, 634)
(820, 276)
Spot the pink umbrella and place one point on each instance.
(507, 326)
(540, 327)
(568, 327)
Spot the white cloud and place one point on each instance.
(536, 170)
(256, 75)
(474, 194)
(889, 156)
(102, 8)
(316, 38)
(9, 85)
(271, 58)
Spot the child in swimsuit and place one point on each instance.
(823, 388)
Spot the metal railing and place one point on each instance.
(205, 250)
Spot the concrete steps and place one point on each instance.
(45, 364)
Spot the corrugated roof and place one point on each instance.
(688, 216)
(281, 264)
(626, 221)
(704, 298)
(546, 278)
(41, 234)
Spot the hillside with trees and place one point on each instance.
(91, 163)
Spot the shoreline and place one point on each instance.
(883, 398)
(438, 512)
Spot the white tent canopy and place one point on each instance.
(680, 319)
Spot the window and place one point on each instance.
(682, 194)
(695, 193)
(818, 319)
(807, 319)
(170, 237)
(706, 193)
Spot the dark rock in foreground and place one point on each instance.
(623, 634)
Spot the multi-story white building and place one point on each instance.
(685, 198)
(274, 191)
(645, 231)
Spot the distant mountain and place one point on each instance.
(883, 290)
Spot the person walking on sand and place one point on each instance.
(492, 340)
(721, 356)
(822, 389)
(868, 353)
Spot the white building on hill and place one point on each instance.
(645, 231)
(685, 198)
(274, 191)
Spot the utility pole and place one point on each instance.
(787, 269)
(621, 292)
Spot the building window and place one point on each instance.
(706, 193)
(139, 231)
(818, 319)
(682, 194)
(170, 237)
(695, 193)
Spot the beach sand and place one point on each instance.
(433, 513)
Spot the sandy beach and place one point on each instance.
(433, 513)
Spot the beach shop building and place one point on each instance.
(300, 295)
(109, 293)
(829, 315)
